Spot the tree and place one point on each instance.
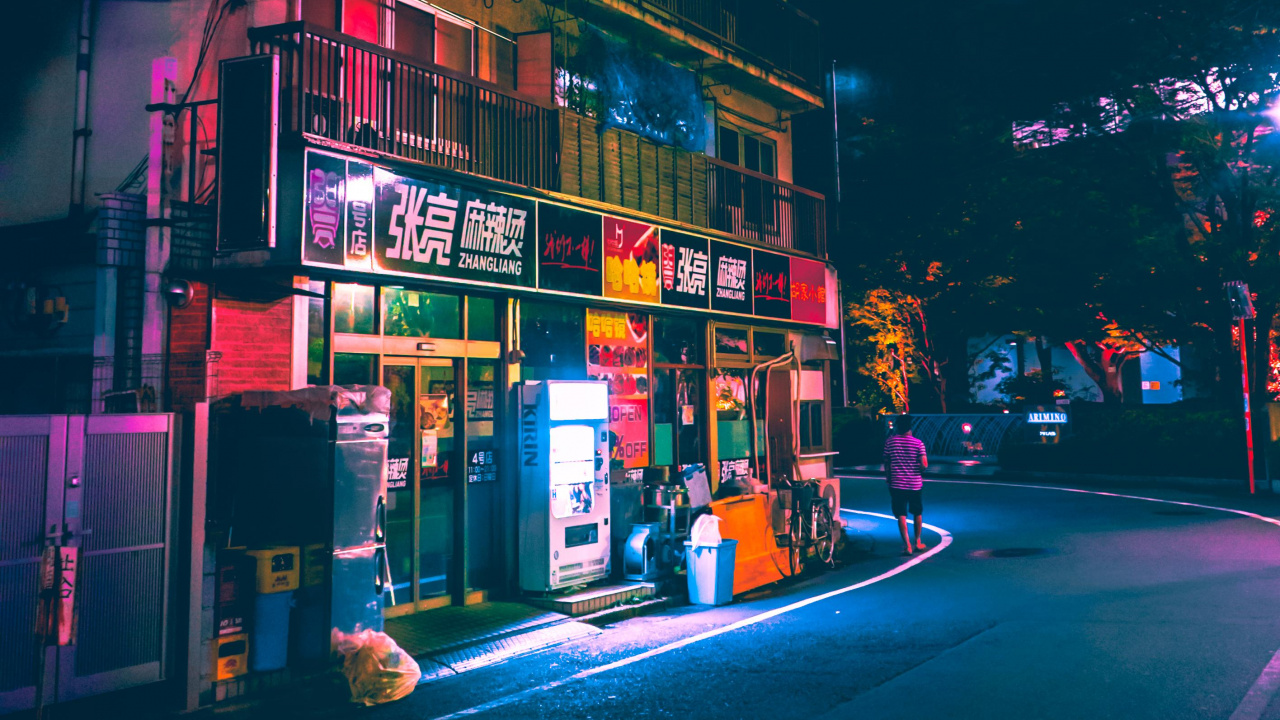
(893, 328)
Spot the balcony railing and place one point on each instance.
(772, 30)
(764, 209)
(342, 89)
(621, 168)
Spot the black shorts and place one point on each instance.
(906, 499)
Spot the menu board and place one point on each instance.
(630, 260)
(618, 351)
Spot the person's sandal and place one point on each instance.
(920, 546)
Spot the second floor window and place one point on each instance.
(752, 152)
(420, 31)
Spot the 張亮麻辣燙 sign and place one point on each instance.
(368, 218)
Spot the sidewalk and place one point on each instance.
(452, 640)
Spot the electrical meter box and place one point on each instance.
(564, 483)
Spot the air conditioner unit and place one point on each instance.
(320, 116)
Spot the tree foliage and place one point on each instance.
(1154, 178)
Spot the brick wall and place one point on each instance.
(255, 341)
(189, 326)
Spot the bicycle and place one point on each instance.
(811, 526)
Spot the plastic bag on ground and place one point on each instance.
(706, 531)
(377, 669)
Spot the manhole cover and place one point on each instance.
(1016, 552)
(1179, 512)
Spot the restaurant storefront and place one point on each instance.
(449, 293)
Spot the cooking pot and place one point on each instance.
(666, 495)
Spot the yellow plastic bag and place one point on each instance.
(377, 670)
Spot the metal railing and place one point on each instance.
(764, 209)
(350, 91)
(772, 30)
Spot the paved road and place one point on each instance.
(1047, 604)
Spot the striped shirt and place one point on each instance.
(904, 460)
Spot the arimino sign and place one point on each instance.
(359, 216)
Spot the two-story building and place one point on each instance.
(473, 197)
(446, 199)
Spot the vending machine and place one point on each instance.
(564, 483)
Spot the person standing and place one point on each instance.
(904, 464)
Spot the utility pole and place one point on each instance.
(1241, 310)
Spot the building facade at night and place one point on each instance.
(446, 199)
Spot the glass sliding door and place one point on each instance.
(422, 471)
(400, 377)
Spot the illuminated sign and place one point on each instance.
(1046, 418)
(358, 216)
(630, 260)
(578, 401)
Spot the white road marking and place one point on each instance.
(745, 622)
(1255, 701)
(1245, 513)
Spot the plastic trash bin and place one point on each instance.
(711, 572)
(269, 641)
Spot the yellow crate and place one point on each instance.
(313, 564)
(230, 656)
(277, 568)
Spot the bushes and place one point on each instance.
(1182, 439)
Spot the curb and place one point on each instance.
(612, 615)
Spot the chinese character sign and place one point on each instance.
(570, 251)
(324, 209)
(618, 351)
(630, 260)
(731, 278)
(685, 262)
(367, 218)
(771, 285)
(359, 215)
(808, 291)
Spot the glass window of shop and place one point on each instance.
(552, 337)
(412, 313)
(736, 350)
(679, 395)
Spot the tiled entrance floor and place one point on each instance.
(451, 640)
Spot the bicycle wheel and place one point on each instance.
(795, 546)
(824, 541)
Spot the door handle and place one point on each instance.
(380, 520)
(379, 560)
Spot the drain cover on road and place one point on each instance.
(1015, 552)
